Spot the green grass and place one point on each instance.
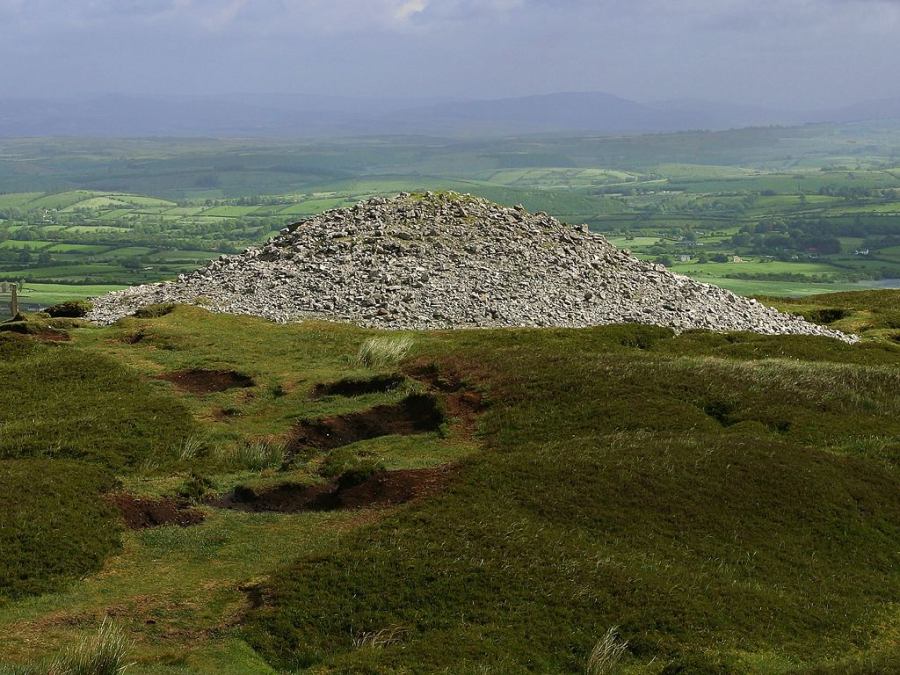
(95, 203)
(17, 199)
(776, 288)
(51, 294)
(24, 245)
(60, 200)
(707, 506)
(53, 525)
(57, 402)
(77, 248)
(730, 502)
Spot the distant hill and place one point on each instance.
(550, 113)
(295, 115)
(882, 109)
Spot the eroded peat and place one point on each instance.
(380, 489)
(415, 414)
(197, 381)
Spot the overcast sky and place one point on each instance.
(796, 53)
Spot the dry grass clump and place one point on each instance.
(259, 455)
(103, 653)
(378, 352)
(256, 455)
(607, 654)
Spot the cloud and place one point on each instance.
(410, 8)
(796, 51)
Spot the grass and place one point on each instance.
(51, 294)
(381, 352)
(614, 477)
(607, 653)
(104, 653)
(729, 502)
(776, 288)
(57, 402)
(53, 526)
(255, 456)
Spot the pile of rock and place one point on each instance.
(452, 261)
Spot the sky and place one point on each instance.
(799, 54)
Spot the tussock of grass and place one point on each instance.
(190, 448)
(606, 654)
(383, 637)
(103, 653)
(254, 456)
(381, 352)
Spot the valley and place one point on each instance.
(767, 211)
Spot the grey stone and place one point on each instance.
(474, 264)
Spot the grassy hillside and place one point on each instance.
(490, 501)
(727, 513)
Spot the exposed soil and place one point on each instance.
(36, 331)
(358, 387)
(463, 408)
(442, 379)
(52, 336)
(225, 414)
(140, 513)
(383, 488)
(721, 412)
(134, 338)
(828, 315)
(461, 403)
(415, 414)
(197, 381)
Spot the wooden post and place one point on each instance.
(14, 302)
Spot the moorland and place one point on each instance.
(237, 496)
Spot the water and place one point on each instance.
(879, 283)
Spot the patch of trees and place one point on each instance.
(809, 235)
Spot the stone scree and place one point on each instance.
(439, 261)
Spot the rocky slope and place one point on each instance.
(452, 261)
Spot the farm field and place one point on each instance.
(726, 207)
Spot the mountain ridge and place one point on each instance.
(261, 115)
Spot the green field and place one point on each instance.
(51, 294)
(815, 208)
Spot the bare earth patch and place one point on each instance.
(383, 488)
(413, 415)
(358, 387)
(196, 381)
(140, 513)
